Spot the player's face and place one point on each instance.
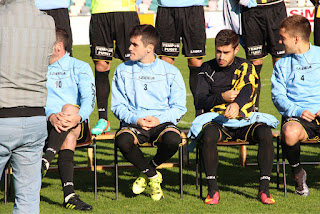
(138, 52)
(55, 54)
(287, 41)
(225, 55)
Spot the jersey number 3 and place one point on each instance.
(145, 87)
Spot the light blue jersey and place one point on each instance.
(155, 89)
(70, 81)
(180, 3)
(296, 83)
(52, 4)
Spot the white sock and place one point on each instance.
(46, 162)
(68, 197)
(154, 176)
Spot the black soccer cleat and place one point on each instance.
(75, 203)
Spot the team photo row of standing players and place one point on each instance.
(45, 103)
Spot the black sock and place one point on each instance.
(292, 154)
(193, 79)
(125, 142)
(168, 146)
(65, 166)
(55, 142)
(258, 70)
(103, 91)
(262, 135)
(210, 138)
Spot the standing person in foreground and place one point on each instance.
(182, 19)
(296, 93)
(149, 99)
(111, 20)
(27, 37)
(59, 10)
(228, 87)
(71, 99)
(260, 32)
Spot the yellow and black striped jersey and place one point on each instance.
(267, 2)
(214, 80)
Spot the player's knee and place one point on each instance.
(263, 134)
(194, 62)
(102, 66)
(171, 139)
(124, 142)
(290, 134)
(210, 134)
(69, 108)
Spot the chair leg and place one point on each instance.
(200, 170)
(284, 171)
(180, 171)
(197, 166)
(95, 169)
(116, 171)
(278, 167)
(243, 155)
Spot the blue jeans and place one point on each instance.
(22, 140)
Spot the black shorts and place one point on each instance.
(83, 133)
(235, 134)
(311, 128)
(186, 22)
(147, 136)
(107, 27)
(261, 30)
(62, 21)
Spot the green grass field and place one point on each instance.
(238, 185)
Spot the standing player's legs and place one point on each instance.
(316, 30)
(102, 82)
(292, 132)
(193, 40)
(188, 23)
(254, 37)
(62, 20)
(101, 44)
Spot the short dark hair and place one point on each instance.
(149, 35)
(297, 24)
(62, 36)
(227, 37)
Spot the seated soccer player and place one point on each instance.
(149, 99)
(71, 99)
(296, 93)
(227, 88)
